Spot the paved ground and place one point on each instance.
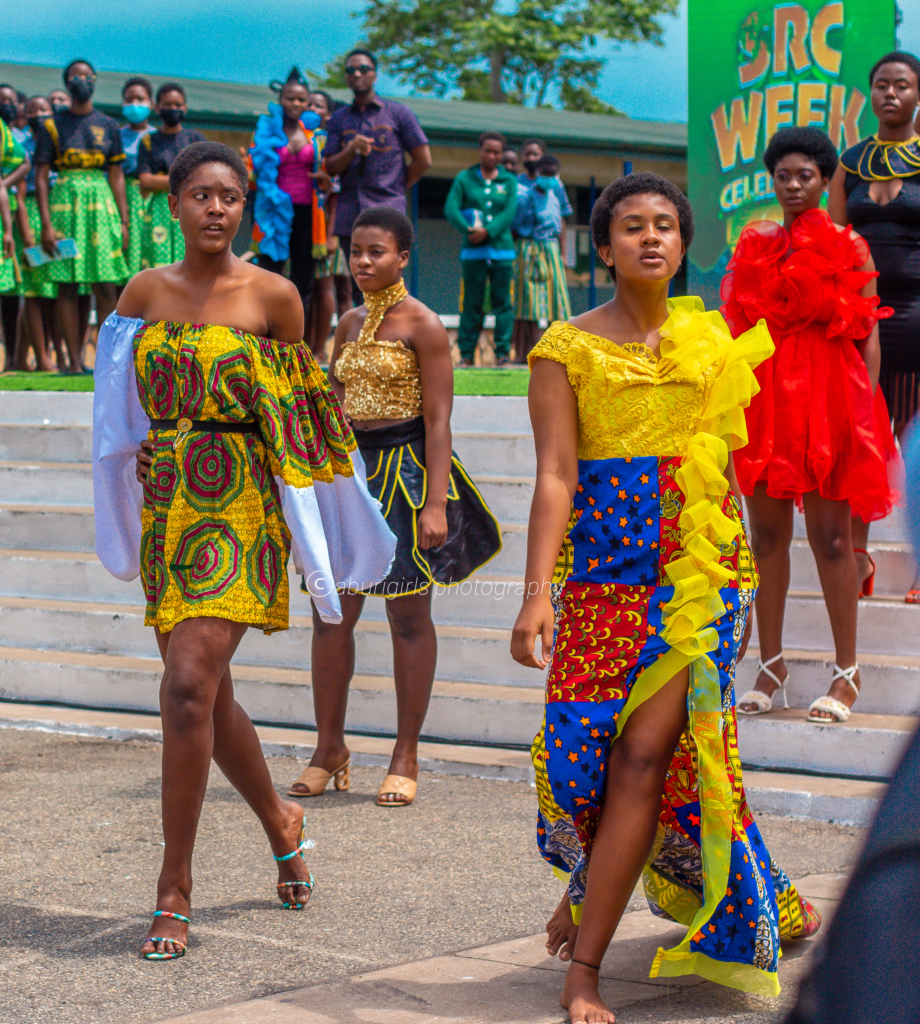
(80, 847)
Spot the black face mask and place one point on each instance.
(530, 166)
(81, 88)
(36, 122)
(171, 116)
(8, 111)
(56, 108)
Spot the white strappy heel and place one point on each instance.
(830, 704)
(764, 701)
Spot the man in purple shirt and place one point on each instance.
(365, 148)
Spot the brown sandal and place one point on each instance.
(314, 780)
(397, 785)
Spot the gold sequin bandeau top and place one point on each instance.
(381, 378)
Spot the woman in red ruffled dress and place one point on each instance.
(819, 430)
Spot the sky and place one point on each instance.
(242, 41)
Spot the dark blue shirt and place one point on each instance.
(379, 179)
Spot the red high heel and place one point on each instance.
(868, 584)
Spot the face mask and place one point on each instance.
(81, 88)
(543, 183)
(310, 119)
(171, 116)
(56, 108)
(135, 112)
(36, 122)
(8, 111)
(530, 165)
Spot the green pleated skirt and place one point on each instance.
(163, 242)
(83, 208)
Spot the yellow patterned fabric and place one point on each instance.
(214, 539)
(654, 434)
(632, 402)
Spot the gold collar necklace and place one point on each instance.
(377, 305)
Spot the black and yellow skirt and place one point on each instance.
(397, 478)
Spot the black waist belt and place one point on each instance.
(394, 436)
(206, 426)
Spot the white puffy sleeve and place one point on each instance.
(119, 426)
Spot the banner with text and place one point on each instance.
(755, 68)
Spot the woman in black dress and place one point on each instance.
(876, 189)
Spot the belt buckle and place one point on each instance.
(183, 426)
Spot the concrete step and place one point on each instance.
(890, 683)
(26, 442)
(867, 746)
(465, 653)
(487, 599)
(894, 560)
(46, 483)
(47, 527)
(493, 715)
(821, 798)
(71, 483)
(885, 625)
(484, 453)
(68, 408)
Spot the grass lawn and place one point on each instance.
(45, 382)
(487, 381)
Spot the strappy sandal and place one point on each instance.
(160, 938)
(305, 844)
(315, 780)
(764, 701)
(831, 705)
(867, 587)
(397, 785)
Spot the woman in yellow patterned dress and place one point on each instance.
(639, 581)
(250, 457)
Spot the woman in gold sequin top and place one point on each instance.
(391, 368)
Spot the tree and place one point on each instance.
(525, 51)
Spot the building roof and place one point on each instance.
(233, 106)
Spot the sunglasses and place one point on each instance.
(360, 69)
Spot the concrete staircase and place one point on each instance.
(71, 633)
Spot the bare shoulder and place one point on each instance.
(425, 325)
(279, 299)
(352, 318)
(134, 300)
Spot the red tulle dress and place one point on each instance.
(815, 424)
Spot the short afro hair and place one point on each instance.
(896, 57)
(66, 72)
(168, 87)
(199, 153)
(138, 80)
(534, 141)
(810, 142)
(493, 137)
(387, 219)
(641, 184)
(361, 52)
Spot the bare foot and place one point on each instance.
(294, 869)
(581, 998)
(842, 691)
(171, 935)
(561, 930)
(404, 765)
(766, 685)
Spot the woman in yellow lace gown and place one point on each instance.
(251, 461)
(639, 582)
